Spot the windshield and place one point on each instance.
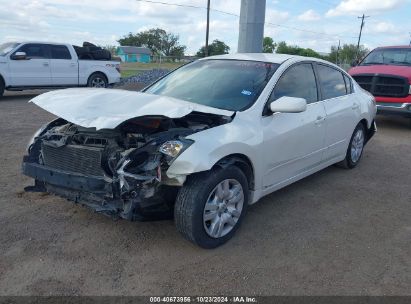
(396, 56)
(225, 84)
(5, 48)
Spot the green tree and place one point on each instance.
(283, 48)
(268, 45)
(111, 48)
(217, 47)
(157, 40)
(347, 53)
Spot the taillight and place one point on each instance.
(116, 66)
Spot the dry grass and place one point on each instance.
(132, 68)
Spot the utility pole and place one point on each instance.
(359, 36)
(207, 28)
(251, 27)
(410, 38)
(338, 52)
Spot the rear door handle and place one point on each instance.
(45, 63)
(72, 64)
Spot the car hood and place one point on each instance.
(398, 70)
(108, 108)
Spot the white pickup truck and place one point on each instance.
(34, 65)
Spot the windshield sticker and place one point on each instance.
(245, 92)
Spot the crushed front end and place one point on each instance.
(119, 172)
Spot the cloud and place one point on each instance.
(274, 16)
(386, 28)
(353, 7)
(309, 15)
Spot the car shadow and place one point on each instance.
(393, 122)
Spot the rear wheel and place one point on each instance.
(355, 148)
(97, 80)
(1, 87)
(211, 205)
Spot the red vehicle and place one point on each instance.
(386, 73)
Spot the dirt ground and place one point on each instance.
(337, 232)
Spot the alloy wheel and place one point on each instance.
(223, 208)
(357, 145)
(98, 82)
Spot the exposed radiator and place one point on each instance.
(73, 158)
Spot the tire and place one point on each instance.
(355, 148)
(101, 54)
(1, 87)
(199, 209)
(97, 80)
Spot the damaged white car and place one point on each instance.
(203, 142)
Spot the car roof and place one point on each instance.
(41, 42)
(263, 57)
(395, 47)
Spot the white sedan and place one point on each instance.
(203, 142)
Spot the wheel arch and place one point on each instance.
(242, 162)
(97, 72)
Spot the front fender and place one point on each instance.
(210, 146)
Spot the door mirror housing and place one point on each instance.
(19, 56)
(288, 104)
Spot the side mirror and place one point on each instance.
(19, 56)
(288, 104)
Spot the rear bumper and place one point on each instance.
(394, 108)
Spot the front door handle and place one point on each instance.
(72, 64)
(319, 120)
(45, 63)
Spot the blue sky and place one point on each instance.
(317, 24)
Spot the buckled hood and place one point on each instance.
(108, 108)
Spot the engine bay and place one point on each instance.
(130, 158)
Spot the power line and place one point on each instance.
(236, 15)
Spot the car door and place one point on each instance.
(64, 67)
(340, 108)
(32, 71)
(294, 142)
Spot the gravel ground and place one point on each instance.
(145, 77)
(337, 232)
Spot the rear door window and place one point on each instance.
(331, 81)
(60, 52)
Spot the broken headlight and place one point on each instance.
(173, 148)
(35, 135)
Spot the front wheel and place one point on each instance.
(97, 80)
(211, 205)
(355, 148)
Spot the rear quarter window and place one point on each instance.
(332, 82)
(348, 84)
